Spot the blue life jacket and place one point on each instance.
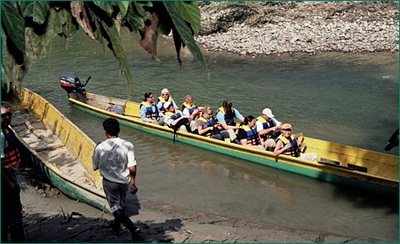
(208, 123)
(175, 115)
(151, 110)
(251, 135)
(228, 116)
(266, 124)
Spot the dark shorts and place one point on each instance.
(11, 207)
(115, 194)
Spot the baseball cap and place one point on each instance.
(286, 126)
(167, 104)
(268, 112)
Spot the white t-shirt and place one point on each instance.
(260, 125)
(113, 157)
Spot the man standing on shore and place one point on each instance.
(11, 207)
(115, 158)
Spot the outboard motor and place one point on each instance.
(73, 86)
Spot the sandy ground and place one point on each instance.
(50, 216)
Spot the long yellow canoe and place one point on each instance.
(59, 149)
(337, 163)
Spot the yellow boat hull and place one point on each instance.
(60, 150)
(337, 163)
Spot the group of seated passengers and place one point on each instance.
(265, 132)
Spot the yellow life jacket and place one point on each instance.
(191, 108)
(208, 123)
(294, 149)
(160, 98)
(174, 115)
(163, 101)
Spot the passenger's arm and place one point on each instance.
(204, 131)
(239, 116)
(279, 148)
(221, 120)
(143, 114)
(176, 121)
(242, 136)
(174, 104)
(194, 114)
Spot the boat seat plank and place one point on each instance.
(328, 161)
(333, 165)
(66, 162)
(358, 168)
(49, 148)
(132, 109)
(42, 138)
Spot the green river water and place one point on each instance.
(345, 98)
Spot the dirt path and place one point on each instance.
(49, 216)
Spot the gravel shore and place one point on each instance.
(264, 28)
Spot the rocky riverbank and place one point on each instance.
(264, 28)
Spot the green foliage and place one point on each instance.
(123, 7)
(185, 32)
(13, 25)
(136, 16)
(30, 26)
(118, 50)
(190, 13)
(60, 23)
(37, 10)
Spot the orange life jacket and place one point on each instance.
(12, 156)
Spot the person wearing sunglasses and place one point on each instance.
(149, 111)
(11, 207)
(288, 144)
(207, 126)
(165, 97)
(190, 109)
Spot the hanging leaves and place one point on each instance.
(29, 26)
(116, 46)
(13, 25)
(149, 37)
(36, 10)
(78, 10)
(190, 13)
(185, 33)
